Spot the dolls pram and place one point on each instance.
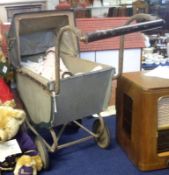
(54, 103)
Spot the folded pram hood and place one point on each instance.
(33, 33)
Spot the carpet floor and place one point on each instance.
(88, 159)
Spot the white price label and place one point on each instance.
(4, 69)
(9, 148)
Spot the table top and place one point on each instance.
(146, 82)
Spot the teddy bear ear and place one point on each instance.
(20, 116)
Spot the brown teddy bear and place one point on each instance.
(27, 160)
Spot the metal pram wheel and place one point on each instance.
(42, 151)
(103, 135)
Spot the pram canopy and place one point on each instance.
(33, 33)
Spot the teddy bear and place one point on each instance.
(27, 160)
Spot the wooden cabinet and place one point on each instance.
(141, 103)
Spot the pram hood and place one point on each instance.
(33, 33)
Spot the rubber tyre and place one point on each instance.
(43, 152)
(103, 139)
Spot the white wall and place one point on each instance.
(132, 58)
(51, 4)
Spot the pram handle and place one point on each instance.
(103, 34)
(150, 23)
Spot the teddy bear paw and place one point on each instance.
(26, 171)
(25, 165)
